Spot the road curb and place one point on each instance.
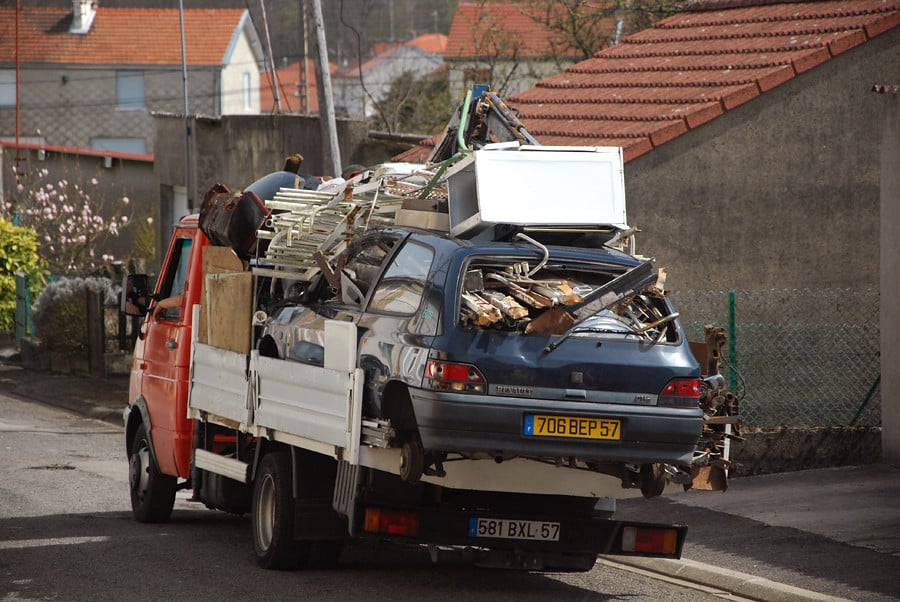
(735, 582)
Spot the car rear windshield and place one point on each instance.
(557, 297)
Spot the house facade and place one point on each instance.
(90, 77)
(357, 88)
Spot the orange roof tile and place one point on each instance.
(502, 28)
(690, 68)
(432, 43)
(290, 80)
(129, 36)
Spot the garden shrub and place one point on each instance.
(60, 313)
(18, 253)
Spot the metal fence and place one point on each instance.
(800, 357)
(24, 327)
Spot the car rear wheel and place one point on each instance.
(152, 493)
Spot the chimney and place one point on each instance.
(82, 16)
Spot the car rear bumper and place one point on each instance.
(455, 422)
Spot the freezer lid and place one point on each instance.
(537, 185)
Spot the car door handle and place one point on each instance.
(171, 344)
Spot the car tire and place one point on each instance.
(272, 515)
(152, 492)
(653, 480)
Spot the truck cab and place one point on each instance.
(160, 371)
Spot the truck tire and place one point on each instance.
(152, 493)
(272, 515)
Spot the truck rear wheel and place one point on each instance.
(273, 514)
(152, 493)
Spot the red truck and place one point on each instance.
(288, 442)
(311, 367)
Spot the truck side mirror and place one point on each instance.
(135, 296)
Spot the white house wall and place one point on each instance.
(350, 98)
(243, 60)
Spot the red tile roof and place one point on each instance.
(290, 79)
(480, 29)
(691, 68)
(130, 36)
(432, 43)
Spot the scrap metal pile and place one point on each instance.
(307, 227)
(519, 299)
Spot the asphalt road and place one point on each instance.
(66, 533)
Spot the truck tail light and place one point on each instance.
(449, 376)
(649, 540)
(682, 393)
(391, 522)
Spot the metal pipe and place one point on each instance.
(732, 350)
(463, 122)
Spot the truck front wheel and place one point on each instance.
(152, 493)
(273, 514)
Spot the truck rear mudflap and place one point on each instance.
(531, 542)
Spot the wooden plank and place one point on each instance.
(222, 260)
(229, 298)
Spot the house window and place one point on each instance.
(248, 105)
(7, 88)
(120, 145)
(129, 90)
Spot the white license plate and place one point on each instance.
(505, 528)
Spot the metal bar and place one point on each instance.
(732, 347)
(865, 403)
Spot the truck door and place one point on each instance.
(165, 363)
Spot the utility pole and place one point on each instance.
(275, 91)
(331, 159)
(187, 120)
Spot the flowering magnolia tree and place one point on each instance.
(73, 220)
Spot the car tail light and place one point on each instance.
(649, 540)
(682, 393)
(391, 522)
(449, 376)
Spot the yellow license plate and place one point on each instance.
(540, 425)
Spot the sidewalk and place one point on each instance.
(833, 531)
(811, 535)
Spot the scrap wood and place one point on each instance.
(506, 304)
(524, 295)
(559, 291)
(485, 313)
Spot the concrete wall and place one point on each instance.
(235, 150)
(781, 192)
(890, 268)
(68, 106)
